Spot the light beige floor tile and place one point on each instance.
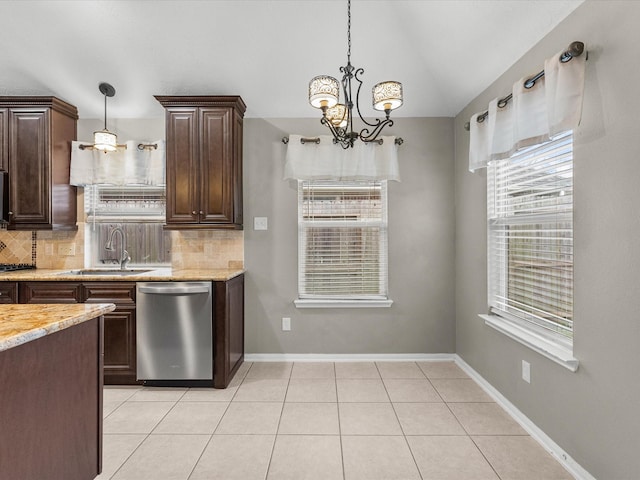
(311, 390)
(258, 418)
(119, 393)
(378, 458)
(356, 370)
(449, 458)
(270, 370)
(520, 458)
(368, 419)
(235, 457)
(427, 419)
(411, 390)
(442, 370)
(115, 451)
(361, 390)
(158, 394)
(485, 419)
(242, 370)
(210, 394)
(460, 390)
(261, 390)
(166, 457)
(297, 457)
(136, 417)
(109, 406)
(313, 370)
(309, 419)
(399, 370)
(192, 417)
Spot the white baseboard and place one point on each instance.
(573, 467)
(349, 357)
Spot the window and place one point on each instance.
(342, 243)
(530, 244)
(139, 211)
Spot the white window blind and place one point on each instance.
(342, 251)
(530, 228)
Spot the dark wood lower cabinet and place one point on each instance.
(228, 321)
(51, 406)
(120, 325)
(119, 329)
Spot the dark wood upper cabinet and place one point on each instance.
(35, 148)
(204, 161)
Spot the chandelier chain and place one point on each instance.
(349, 31)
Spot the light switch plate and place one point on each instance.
(286, 324)
(260, 223)
(526, 371)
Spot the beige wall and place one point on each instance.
(421, 236)
(592, 414)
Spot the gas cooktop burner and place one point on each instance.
(10, 267)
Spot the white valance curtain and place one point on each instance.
(130, 166)
(536, 114)
(328, 161)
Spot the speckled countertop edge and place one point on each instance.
(158, 274)
(22, 323)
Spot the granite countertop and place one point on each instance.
(153, 274)
(20, 324)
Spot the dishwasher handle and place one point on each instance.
(174, 289)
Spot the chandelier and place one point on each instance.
(324, 93)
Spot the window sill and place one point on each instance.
(317, 303)
(552, 350)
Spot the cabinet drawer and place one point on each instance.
(120, 293)
(50, 292)
(8, 292)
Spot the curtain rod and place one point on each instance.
(574, 50)
(316, 140)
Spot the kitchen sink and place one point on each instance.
(107, 272)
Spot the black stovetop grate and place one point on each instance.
(10, 267)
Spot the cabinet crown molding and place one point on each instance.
(39, 101)
(232, 101)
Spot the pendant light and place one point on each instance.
(324, 94)
(105, 140)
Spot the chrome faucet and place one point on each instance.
(124, 258)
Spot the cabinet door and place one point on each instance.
(119, 329)
(4, 139)
(29, 185)
(182, 166)
(50, 292)
(228, 330)
(216, 165)
(8, 292)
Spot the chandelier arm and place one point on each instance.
(360, 71)
(367, 136)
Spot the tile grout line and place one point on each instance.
(335, 381)
(275, 437)
(404, 435)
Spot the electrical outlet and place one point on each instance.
(286, 324)
(260, 223)
(526, 371)
(66, 249)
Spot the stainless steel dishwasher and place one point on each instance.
(174, 337)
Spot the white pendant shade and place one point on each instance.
(387, 95)
(323, 91)
(105, 140)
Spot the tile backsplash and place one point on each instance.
(65, 249)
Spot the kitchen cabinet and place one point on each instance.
(51, 405)
(204, 161)
(50, 292)
(119, 329)
(120, 324)
(35, 149)
(8, 292)
(228, 321)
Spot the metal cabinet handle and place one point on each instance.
(175, 289)
(201, 212)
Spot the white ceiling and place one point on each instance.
(445, 52)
